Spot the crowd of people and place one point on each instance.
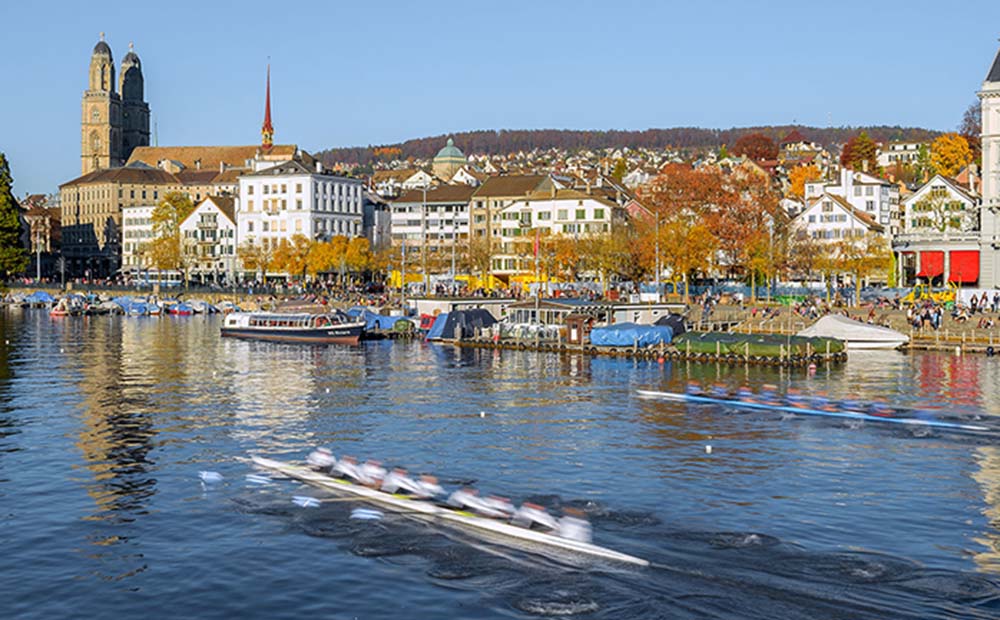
(573, 523)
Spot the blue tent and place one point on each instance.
(629, 334)
(448, 324)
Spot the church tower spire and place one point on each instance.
(266, 130)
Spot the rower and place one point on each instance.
(575, 526)
(795, 398)
(372, 473)
(881, 409)
(693, 388)
(321, 459)
(468, 498)
(427, 487)
(398, 481)
(769, 394)
(745, 394)
(347, 467)
(719, 390)
(530, 515)
(852, 405)
(822, 402)
(502, 504)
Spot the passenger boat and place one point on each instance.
(851, 415)
(428, 511)
(330, 328)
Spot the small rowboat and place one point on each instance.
(850, 415)
(424, 510)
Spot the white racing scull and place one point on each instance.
(426, 510)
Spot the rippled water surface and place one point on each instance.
(106, 423)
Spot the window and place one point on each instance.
(544, 215)
(284, 188)
(143, 194)
(264, 226)
(598, 214)
(857, 190)
(249, 226)
(827, 206)
(869, 191)
(249, 190)
(870, 205)
(581, 214)
(298, 226)
(562, 214)
(265, 189)
(249, 206)
(298, 204)
(298, 188)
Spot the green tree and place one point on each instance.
(13, 256)
(619, 170)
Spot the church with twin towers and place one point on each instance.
(115, 114)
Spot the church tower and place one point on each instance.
(989, 240)
(135, 111)
(101, 126)
(266, 129)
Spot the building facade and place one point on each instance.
(989, 238)
(115, 117)
(870, 195)
(436, 220)
(137, 233)
(290, 199)
(208, 239)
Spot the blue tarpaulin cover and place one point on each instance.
(629, 334)
(378, 321)
(434, 333)
(39, 297)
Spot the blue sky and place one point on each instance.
(371, 73)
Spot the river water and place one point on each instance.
(107, 422)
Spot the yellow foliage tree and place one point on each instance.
(686, 246)
(950, 153)
(255, 257)
(863, 258)
(358, 255)
(165, 251)
(800, 175)
(292, 257)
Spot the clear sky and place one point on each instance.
(361, 73)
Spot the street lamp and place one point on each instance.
(423, 241)
(657, 253)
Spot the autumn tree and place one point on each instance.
(256, 256)
(756, 146)
(860, 154)
(167, 250)
(950, 153)
(292, 256)
(618, 173)
(971, 128)
(863, 258)
(358, 254)
(686, 246)
(13, 256)
(800, 175)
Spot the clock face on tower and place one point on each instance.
(95, 115)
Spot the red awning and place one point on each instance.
(931, 264)
(964, 268)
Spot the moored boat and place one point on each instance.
(328, 328)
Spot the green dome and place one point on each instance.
(450, 151)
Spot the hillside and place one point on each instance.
(685, 138)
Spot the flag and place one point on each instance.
(536, 242)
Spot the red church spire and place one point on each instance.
(266, 130)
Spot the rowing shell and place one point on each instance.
(851, 415)
(426, 510)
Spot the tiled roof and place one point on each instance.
(128, 176)
(793, 137)
(510, 186)
(443, 193)
(398, 176)
(197, 177)
(209, 156)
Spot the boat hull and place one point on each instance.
(346, 334)
(428, 511)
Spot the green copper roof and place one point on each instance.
(450, 151)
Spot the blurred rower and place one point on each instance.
(468, 498)
(795, 398)
(321, 459)
(745, 394)
(769, 394)
(718, 390)
(501, 504)
(372, 473)
(532, 515)
(575, 526)
(347, 467)
(398, 481)
(427, 487)
(693, 388)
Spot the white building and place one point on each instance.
(989, 239)
(392, 183)
(830, 218)
(870, 195)
(437, 219)
(557, 212)
(208, 237)
(906, 153)
(137, 231)
(291, 199)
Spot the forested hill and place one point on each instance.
(513, 140)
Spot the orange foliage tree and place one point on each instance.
(800, 175)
